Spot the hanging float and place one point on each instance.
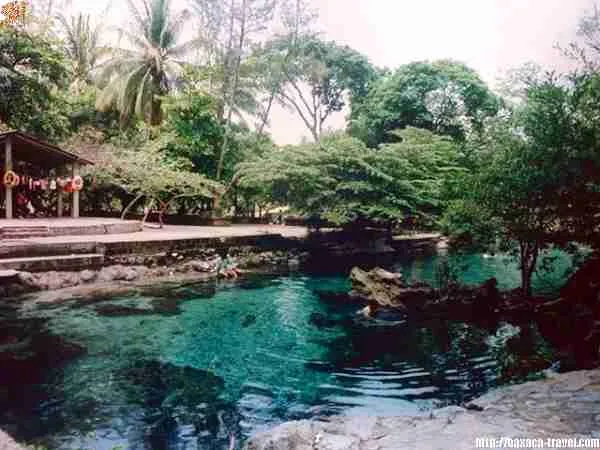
(11, 179)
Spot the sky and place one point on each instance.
(491, 36)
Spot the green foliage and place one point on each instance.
(332, 73)
(81, 46)
(138, 75)
(32, 71)
(536, 182)
(193, 117)
(444, 96)
(197, 135)
(149, 172)
(342, 181)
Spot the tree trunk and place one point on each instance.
(231, 100)
(156, 111)
(233, 88)
(528, 260)
(265, 115)
(133, 202)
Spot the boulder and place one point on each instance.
(111, 273)
(129, 274)
(377, 285)
(205, 266)
(28, 279)
(388, 290)
(87, 276)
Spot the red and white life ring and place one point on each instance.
(11, 179)
(77, 183)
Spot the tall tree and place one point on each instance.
(444, 96)
(246, 19)
(277, 56)
(318, 78)
(536, 181)
(586, 50)
(136, 77)
(82, 45)
(228, 30)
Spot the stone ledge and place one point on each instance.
(561, 406)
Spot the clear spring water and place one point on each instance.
(211, 361)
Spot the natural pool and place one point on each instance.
(207, 361)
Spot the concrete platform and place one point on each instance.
(79, 251)
(34, 228)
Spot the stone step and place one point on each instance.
(55, 262)
(20, 232)
(8, 232)
(25, 227)
(27, 235)
(22, 249)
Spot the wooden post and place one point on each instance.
(8, 163)
(59, 198)
(75, 199)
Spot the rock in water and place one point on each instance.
(377, 285)
(388, 289)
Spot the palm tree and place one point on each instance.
(82, 45)
(136, 77)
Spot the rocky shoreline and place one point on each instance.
(565, 406)
(140, 270)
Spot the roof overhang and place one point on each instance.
(27, 148)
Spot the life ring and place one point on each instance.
(11, 179)
(77, 183)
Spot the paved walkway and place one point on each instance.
(174, 232)
(60, 222)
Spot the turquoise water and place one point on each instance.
(200, 363)
(553, 269)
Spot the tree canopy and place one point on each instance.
(333, 73)
(446, 97)
(341, 180)
(32, 72)
(536, 182)
(137, 76)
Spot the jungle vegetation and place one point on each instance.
(177, 104)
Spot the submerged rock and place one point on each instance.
(249, 319)
(564, 406)
(120, 310)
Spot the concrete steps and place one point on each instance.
(54, 262)
(31, 230)
(17, 232)
(20, 250)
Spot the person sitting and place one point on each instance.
(229, 268)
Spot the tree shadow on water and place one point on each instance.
(178, 403)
